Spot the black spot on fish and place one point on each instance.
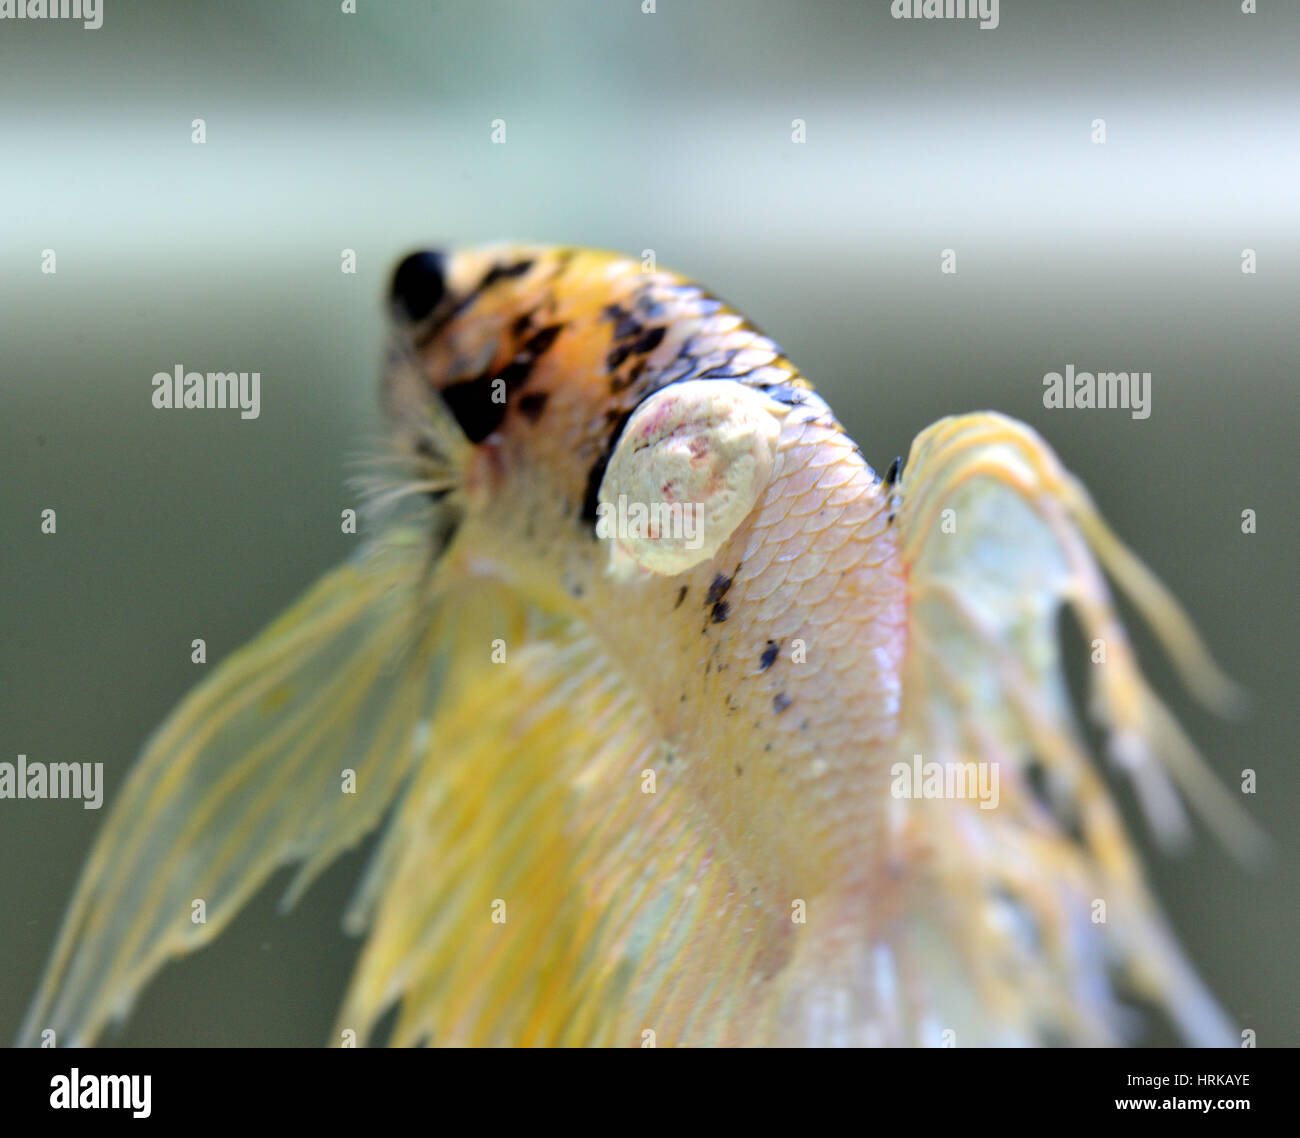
(617, 356)
(891, 476)
(473, 407)
(768, 658)
(717, 590)
(681, 596)
(515, 374)
(537, 344)
(644, 343)
(649, 341)
(738, 769)
(504, 272)
(780, 702)
(720, 612)
(532, 405)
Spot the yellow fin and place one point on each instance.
(996, 537)
(533, 892)
(247, 775)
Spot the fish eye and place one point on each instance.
(418, 284)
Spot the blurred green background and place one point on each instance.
(670, 132)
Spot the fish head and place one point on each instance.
(521, 372)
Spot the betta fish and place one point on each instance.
(682, 724)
